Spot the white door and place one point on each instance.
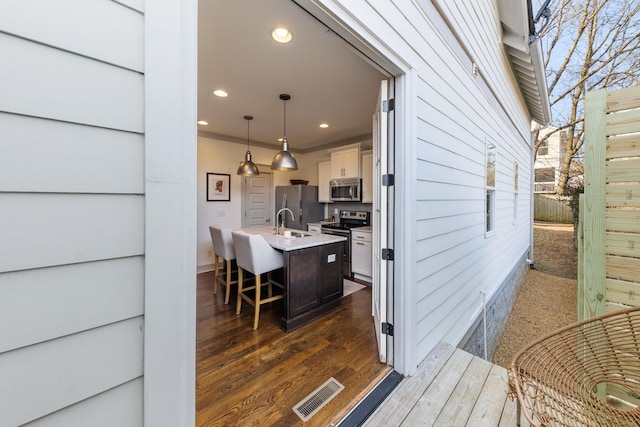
(381, 269)
(256, 200)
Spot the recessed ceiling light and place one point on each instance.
(203, 122)
(324, 125)
(221, 93)
(281, 35)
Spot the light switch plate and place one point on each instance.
(331, 258)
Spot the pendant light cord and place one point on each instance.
(284, 104)
(248, 134)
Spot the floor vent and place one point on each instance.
(317, 399)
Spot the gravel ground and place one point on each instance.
(548, 297)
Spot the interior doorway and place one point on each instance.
(257, 206)
(215, 317)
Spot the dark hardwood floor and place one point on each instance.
(247, 377)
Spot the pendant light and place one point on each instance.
(248, 168)
(284, 160)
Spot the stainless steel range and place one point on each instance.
(348, 220)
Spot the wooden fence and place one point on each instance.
(548, 207)
(609, 224)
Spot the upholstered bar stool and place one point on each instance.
(254, 254)
(223, 249)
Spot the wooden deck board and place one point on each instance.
(451, 388)
(410, 389)
(491, 400)
(463, 399)
(435, 397)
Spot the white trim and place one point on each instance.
(405, 346)
(170, 212)
(537, 61)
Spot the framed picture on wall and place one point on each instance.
(218, 187)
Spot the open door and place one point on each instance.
(380, 222)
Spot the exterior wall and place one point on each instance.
(549, 160)
(81, 169)
(72, 217)
(445, 113)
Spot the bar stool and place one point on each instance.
(223, 249)
(255, 256)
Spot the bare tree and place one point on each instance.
(590, 44)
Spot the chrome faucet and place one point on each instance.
(278, 218)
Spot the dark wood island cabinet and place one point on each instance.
(311, 276)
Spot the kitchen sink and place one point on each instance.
(294, 234)
(299, 234)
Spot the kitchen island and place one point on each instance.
(311, 276)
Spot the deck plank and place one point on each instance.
(393, 410)
(509, 415)
(461, 402)
(428, 407)
(450, 388)
(492, 399)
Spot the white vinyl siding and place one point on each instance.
(477, 25)
(103, 160)
(72, 214)
(98, 411)
(44, 378)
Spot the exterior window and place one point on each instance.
(515, 191)
(545, 175)
(490, 186)
(543, 148)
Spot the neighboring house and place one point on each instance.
(547, 165)
(98, 167)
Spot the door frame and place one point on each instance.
(401, 146)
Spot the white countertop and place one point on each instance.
(293, 243)
(366, 229)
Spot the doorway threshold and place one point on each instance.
(365, 407)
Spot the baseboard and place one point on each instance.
(205, 268)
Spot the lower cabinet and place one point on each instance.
(313, 283)
(361, 254)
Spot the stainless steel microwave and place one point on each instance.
(346, 190)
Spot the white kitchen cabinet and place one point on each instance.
(367, 177)
(361, 255)
(345, 163)
(314, 228)
(324, 176)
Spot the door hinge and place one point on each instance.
(387, 254)
(388, 105)
(387, 328)
(388, 180)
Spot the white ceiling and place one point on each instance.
(327, 80)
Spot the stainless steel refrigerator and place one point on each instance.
(303, 202)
